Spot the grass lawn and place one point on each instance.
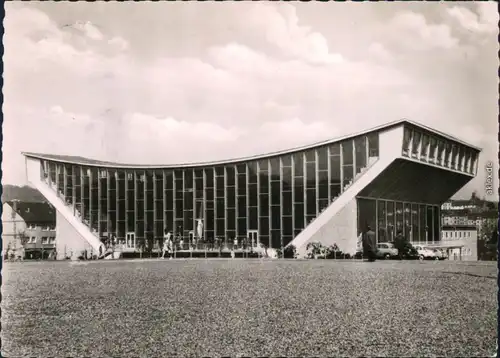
(153, 308)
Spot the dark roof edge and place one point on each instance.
(386, 126)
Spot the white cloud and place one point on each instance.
(280, 25)
(486, 21)
(225, 98)
(119, 43)
(379, 52)
(418, 34)
(89, 30)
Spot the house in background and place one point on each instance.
(460, 242)
(29, 229)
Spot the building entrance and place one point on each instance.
(253, 238)
(130, 240)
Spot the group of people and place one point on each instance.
(171, 243)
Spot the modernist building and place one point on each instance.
(28, 228)
(393, 178)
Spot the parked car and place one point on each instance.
(425, 253)
(386, 250)
(440, 254)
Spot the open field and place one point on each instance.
(153, 308)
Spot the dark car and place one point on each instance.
(410, 254)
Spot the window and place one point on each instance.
(432, 149)
(52, 240)
(415, 143)
(406, 141)
(425, 146)
(32, 240)
(373, 146)
(45, 240)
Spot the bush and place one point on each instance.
(290, 252)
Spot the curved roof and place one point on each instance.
(78, 160)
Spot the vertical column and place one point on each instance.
(353, 148)
(136, 211)
(316, 180)
(195, 201)
(73, 189)
(145, 207)
(329, 165)
(99, 195)
(341, 167)
(164, 193)
(174, 197)
(367, 151)
(259, 214)
(225, 202)
(117, 202)
(109, 227)
(247, 194)
(183, 227)
(65, 182)
(126, 214)
(281, 203)
(155, 208)
(236, 199)
(270, 209)
(376, 220)
(82, 187)
(57, 179)
(89, 171)
(293, 195)
(204, 206)
(304, 182)
(216, 211)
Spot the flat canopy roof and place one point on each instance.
(71, 159)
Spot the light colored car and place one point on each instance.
(440, 254)
(425, 253)
(386, 250)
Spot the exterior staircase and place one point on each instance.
(68, 211)
(374, 167)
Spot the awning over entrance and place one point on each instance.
(408, 181)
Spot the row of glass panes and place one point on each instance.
(63, 177)
(416, 222)
(425, 147)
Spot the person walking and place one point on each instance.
(166, 243)
(370, 244)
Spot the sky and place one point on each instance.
(174, 82)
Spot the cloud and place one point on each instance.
(270, 83)
(280, 25)
(485, 21)
(419, 34)
(379, 52)
(89, 30)
(119, 43)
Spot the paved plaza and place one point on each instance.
(248, 308)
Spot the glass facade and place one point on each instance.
(273, 198)
(416, 222)
(430, 148)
